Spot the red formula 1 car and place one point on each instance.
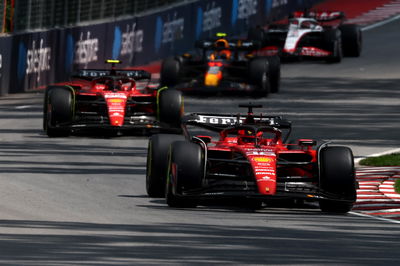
(249, 160)
(319, 35)
(224, 66)
(110, 99)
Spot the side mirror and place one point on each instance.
(206, 139)
(307, 142)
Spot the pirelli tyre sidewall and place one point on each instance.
(351, 40)
(337, 177)
(157, 162)
(58, 110)
(258, 75)
(170, 71)
(170, 107)
(185, 172)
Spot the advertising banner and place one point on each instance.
(124, 41)
(34, 60)
(46, 57)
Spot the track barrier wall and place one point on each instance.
(33, 60)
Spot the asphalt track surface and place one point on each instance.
(82, 200)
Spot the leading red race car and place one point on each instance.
(250, 160)
(110, 99)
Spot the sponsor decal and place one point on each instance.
(209, 19)
(311, 51)
(220, 120)
(38, 59)
(279, 3)
(262, 159)
(115, 95)
(265, 153)
(128, 42)
(212, 17)
(247, 8)
(243, 9)
(86, 49)
(266, 173)
(169, 31)
(217, 120)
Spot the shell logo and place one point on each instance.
(263, 159)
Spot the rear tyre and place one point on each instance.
(170, 72)
(185, 172)
(59, 111)
(258, 76)
(274, 63)
(157, 163)
(351, 40)
(337, 178)
(170, 107)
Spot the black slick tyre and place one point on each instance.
(170, 72)
(170, 107)
(185, 173)
(333, 43)
(258, 76)
(351, 40)
(58, 112)
(157, 163)
(337, 178)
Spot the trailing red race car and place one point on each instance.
(320, 35)
(224, 66)
(110, 99)
(249, 160)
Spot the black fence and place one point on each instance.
(32, 60)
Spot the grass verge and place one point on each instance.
(397, 186)
(384, 160)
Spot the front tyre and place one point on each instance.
(185, 173)
(157, 163)
(337, 178)
(351, 40)
(59, 111)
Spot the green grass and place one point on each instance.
(384, 160)
(397, 186)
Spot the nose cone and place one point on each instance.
(116, 109)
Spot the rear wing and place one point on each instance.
(219, 122)
(321, 16)
(97, 73)
(234, 45)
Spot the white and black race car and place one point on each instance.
(320, 35)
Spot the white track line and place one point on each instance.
(381, 23)
(376, 218)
